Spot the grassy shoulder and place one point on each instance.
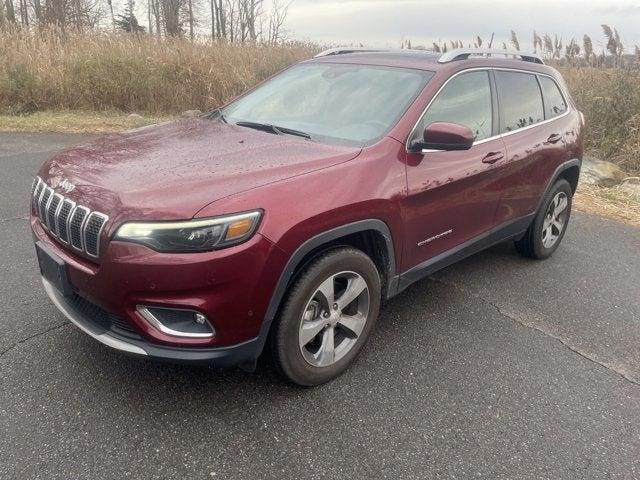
(607, 202)
(76, 122)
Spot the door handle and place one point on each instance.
(493, 157)
(554, 138)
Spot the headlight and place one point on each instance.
(198, 235)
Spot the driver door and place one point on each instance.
(452, 196)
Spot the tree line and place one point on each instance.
(232, 20)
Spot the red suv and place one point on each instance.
(285, 218)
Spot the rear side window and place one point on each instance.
(520, 100)
(554, 103)
(465, 99)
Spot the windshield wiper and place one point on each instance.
(216, 115)
(266, 127)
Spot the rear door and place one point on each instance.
(533, 128)
(452, 196)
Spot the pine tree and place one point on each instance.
(128, 22)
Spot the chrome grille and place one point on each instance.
(69, 223)
(44, 202)
(52, 210)
(63, 217)
(37, 190)
(92, 230)
(76, 225)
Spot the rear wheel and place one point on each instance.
(329, 313)
(550, 223)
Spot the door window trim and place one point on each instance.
(493, 88)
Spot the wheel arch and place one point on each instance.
(569, 170)
(371, 236)
(571, 174)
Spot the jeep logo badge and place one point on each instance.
(66, 185)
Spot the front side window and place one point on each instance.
(554, 103)
(353, 104)
(520, 100)
(466, 100)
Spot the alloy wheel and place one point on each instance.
(555, 220)
(334, 318)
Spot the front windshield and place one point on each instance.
(353, 104)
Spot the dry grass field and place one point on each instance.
(610, 101)
(99, 70)
(116, 74)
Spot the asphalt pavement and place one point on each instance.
(497, 367)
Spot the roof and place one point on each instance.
(430, 61)
(417, 59)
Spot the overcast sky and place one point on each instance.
(389, 22)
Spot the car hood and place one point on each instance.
(173, 170)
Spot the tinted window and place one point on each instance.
(520, 100)
(350, 103)
(466, 100)
(554, 103)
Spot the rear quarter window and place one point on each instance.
(520, 100)
(554, 102)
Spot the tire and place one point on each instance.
(545, 233)
(311, 321)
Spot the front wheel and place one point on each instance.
(550, 223)
(327, 317)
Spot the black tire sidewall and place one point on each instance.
(286, 349)
(539, 250)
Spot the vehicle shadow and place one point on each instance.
(409, 323)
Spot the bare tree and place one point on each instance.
(155, 5)
(113, 18)
(249, 11)
(190, 15)
(149, 12)
(24, 12)
(277, 18)
(170, 11)
(37, 10)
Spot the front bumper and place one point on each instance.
(231, 287)
(243, 354)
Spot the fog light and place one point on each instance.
(177, 322)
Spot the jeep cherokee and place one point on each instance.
(285, 218)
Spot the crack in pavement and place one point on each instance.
(36, 335)
(563, 341)
(12, 219)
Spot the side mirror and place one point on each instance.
(444, 136)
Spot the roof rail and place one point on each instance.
(344, 50)
(464, 53)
